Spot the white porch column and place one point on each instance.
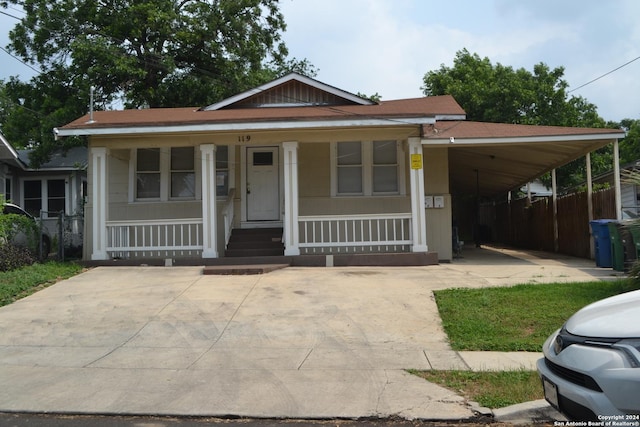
(209, 214)
(99, 201)
(291, 233)
(418, 215)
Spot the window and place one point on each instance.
(55, 196)
(7, 189)
(222, 170)
(183, 176)
(33, 197)
(349, 163)
(48, 195)
(385, 167)
(367, 168)
(148, 173)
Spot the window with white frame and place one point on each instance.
(48, 195)
(222, 170)
(148, 173)
(56, 197)
(367, 168)
(183, 175)
(7, 189)
(385, 167)
(349, 163)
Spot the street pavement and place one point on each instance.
(296, 343)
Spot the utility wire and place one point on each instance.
(604, 75)
(19, 60)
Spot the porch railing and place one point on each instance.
(355, 233)
(154, 238)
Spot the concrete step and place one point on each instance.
(242, 269)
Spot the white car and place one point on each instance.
(591, 366)
(21, 239)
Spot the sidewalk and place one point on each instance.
(293, 343)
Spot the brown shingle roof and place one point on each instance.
(415, 107)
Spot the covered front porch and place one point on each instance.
(336, 239)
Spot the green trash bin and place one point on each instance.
(634, 230)
(617, 246)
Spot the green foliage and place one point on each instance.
(376, 97)
(150, 53)
(489, 389)
(630, 145)
(10, 226)
(518, 318)
(633, 177)
(500, 94)
(24, 281)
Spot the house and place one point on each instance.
(335, 174)
(59, 185)
(629, 189)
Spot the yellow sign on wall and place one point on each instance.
(416, 161)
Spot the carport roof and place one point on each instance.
(495, 158)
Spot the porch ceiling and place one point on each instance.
(494, 158)
(494, 169)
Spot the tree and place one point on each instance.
(141, 54)
(630, 145)
(500, 94)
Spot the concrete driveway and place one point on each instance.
(294, 343)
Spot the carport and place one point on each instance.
(490, 160)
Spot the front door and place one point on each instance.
(263, 195)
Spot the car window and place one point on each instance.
(8, 209)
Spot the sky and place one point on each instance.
(387, 46)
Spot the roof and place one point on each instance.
(191, 118)
(483, 130)
(75, 158)
(495, 158)
(289, 90)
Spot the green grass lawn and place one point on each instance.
(489, 389)
(518, 318)
(24, 281)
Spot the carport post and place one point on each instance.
(592, 249)
(554, 191)
(616, 178)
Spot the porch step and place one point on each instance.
(242, 269)
(255, 242)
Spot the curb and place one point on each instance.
(536, 411)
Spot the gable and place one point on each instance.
(292, 90)
(292, 94)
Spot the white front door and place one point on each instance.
(263, 195)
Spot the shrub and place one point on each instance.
(13, 257)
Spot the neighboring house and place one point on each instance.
(536, 189)
(629, 191)
(334, 172)
(57, 186)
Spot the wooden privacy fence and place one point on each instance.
(531, 226)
